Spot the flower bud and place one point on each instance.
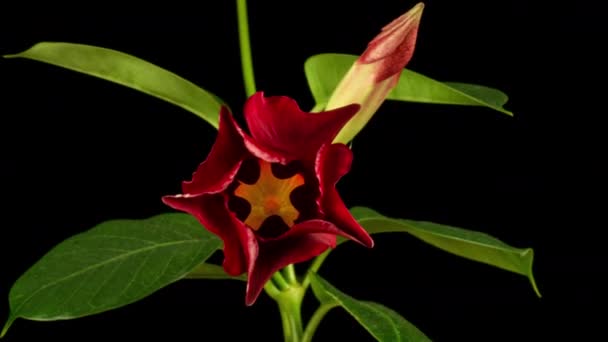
(377, 71)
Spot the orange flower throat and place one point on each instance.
(269, 196)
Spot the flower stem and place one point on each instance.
(314, 267)
(246, 61)
(290, 303)
(314, 321)
(271, 289)
(279, 281)
(290, 273)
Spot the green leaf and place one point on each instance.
(325, 71)
(465, 243)
(491, 96)
(211, 271)
(129, 71)
(381, 322)
(113, 264)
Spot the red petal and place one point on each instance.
(278, 124)
(333, 162)
(218, 170)
(212, 212)
(304, 241)
(263, 152)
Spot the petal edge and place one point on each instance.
(221, 165)
(278, 123)
(333, 162)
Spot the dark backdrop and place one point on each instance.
(76, 151)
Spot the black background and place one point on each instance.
(76, 151)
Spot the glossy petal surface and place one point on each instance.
(254, 191)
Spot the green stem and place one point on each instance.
(246, 61)
(271, 289)
(279, 281)
(314, 267)
(288, 334)
(314, 321)
(290, 302)
(290, 274)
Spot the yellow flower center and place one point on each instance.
(269, 196)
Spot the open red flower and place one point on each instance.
(270, 196)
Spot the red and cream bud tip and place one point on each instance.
(377, 71)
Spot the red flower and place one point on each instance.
(270, 196)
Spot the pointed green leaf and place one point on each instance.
(381, 322)
(113, 264)
(465, 243)
(211, 271)
(129, 71)
(324, 72)
(491, 96)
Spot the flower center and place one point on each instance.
(269, 196)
